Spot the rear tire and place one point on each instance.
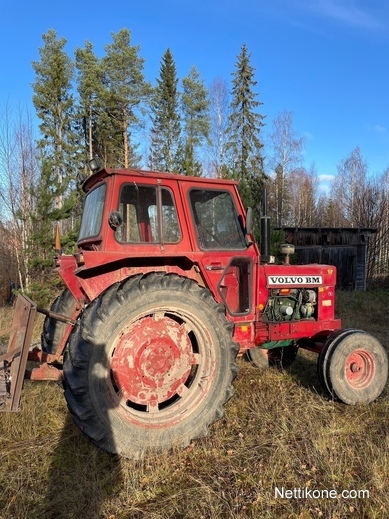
(53, 330)
(149, 365)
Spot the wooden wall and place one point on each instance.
(343, 247)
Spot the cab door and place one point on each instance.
(227, 260)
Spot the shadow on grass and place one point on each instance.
(304, 371)
(81, 477)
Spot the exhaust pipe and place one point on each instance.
(264, 240)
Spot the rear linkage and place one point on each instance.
(13, 363)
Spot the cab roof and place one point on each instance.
(103, 173)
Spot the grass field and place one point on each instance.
(280, 436)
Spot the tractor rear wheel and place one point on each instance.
(53, 330)
(280, 358)
(354, 367)
(149, 365)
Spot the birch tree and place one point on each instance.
(219, 101)
(18, 175)
(303, 197)
(349, 187)
(286, 156)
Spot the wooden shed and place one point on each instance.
(344, 247)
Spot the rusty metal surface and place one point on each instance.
(13, 362)
(45, 372)
(54, 315)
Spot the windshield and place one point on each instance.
(216, 220)
(93, 213)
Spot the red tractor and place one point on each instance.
(167, 287)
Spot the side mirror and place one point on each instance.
(115, 219)
(249, 220)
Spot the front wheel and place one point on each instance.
(149, 365)
(354, 367)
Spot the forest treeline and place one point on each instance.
(88, 105)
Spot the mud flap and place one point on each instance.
(13, 362)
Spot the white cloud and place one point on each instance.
(354, 13)
(325, 177)
(379, 129)
(325, 181)
(344, 11)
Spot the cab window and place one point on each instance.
(216, 220)
(148, 214)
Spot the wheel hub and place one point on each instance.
(355, 368)
(360, 369)
(152, 360)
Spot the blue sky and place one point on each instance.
(326, 61)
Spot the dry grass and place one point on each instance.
(278, 431)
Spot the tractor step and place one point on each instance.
(13, 362)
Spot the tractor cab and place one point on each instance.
(141, 221)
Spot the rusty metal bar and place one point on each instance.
(15, 359)
(57, 317)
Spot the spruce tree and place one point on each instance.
(196, 120)
(90, 87)
(60, 153)
(125, 89)
(245, 123)
(43, 216)
(54, 104)
(166, 149)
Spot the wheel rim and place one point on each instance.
(159, 362)
(360, 369)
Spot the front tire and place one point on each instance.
(149, 365)
(354, 367)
